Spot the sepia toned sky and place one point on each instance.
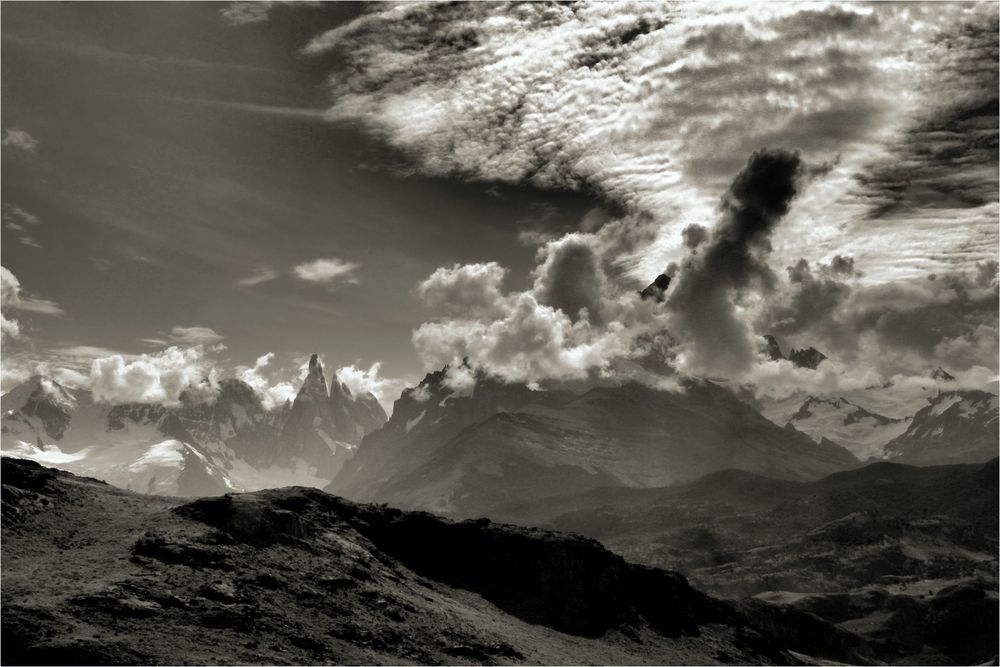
(409, 185)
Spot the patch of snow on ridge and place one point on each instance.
(48, 455)
(945, 403)
(410, 423)
(167, 453)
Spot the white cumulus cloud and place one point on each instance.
(153, 378)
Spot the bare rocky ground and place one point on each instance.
(96, 575)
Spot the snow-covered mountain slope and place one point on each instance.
(849, 425)
(230, 443)
(955, 427)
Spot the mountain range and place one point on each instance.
(465, 450)
(199, 447)
(464, 453)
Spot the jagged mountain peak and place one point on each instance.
(941, 374)
(773, 349)
(339, 388)
(808, 357)
(314, 385)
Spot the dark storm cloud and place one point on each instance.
(811, 298)
(948, 319)
(694, 235)
(571, 278)
(731, 261)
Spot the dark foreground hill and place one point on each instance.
(96, 575)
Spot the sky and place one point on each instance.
(200, 190)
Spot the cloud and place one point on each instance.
(465, 289)
(187, 336)
(12, 297)
(194, 335)
(272, 395)
(16, 369)
(722, 269)
(900, 327)
(9, 328)
(570, 277)
(260, 275)
(654, 106)
(101, 264)
(518, 336)
(256, 11)
(362, 381)
(327, 270)
(153, 378)
(19, 139)
(17, 220)
(243, 13)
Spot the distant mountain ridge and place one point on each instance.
(463, 453)
(228, 443)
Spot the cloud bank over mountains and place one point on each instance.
(657, 109)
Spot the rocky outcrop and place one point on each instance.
(773, 350)
(808, 357)
(942, 375)
(657, 290)
(566, 582)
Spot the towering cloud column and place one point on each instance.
(721, 268)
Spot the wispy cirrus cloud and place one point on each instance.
(18, 221)
(187, 336)
(262, 274)
(256, 11)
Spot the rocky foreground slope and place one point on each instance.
(97, 575)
